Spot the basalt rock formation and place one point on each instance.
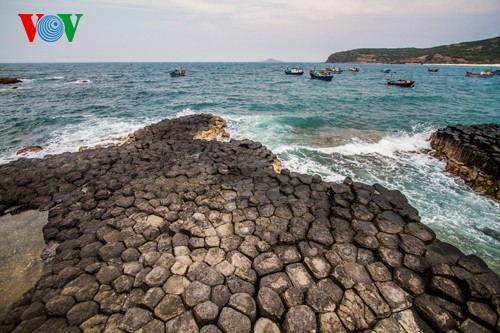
(473, 153)
(172, 234)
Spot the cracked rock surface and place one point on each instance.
(173, 234)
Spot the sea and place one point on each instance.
(354, 126)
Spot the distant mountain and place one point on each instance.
(271, 60)
(486, 51)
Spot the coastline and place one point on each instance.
(171, 234)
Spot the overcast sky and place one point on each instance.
(234, 30)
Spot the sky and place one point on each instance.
(237, 30)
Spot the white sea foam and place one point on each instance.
(185, 112)
(388, 146)
(93, 131)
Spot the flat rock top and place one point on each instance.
(172, 234)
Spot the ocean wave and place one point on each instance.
(185, 112)
(387, 146)
(83, 81)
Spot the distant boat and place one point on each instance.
(483, 73)
(335, 70)
(496, 72)
(433, 69)
(294, 71)
(177, 72)
(323, 75)
(385, 70)
(400, 82)
(353, 69)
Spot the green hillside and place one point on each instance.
(485, 51)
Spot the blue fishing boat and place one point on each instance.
(320, 75)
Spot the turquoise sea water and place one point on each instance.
(354, 126)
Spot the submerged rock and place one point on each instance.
(169, 233)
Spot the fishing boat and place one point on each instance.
(294, 71)
(177, 72)
(335, 70)
(483, 73)
(353, 69)
(400, 83)
(385, 70)
(433, 69)
(320, 75)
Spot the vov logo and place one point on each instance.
(50, 28)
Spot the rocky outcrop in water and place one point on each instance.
(473, 153)
(171, 234)
(9, 80)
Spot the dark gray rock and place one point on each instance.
(270, 304)
(134, 319)
(169, 307)
(206, 312)
(157, 276)
(447, 289)
(220, 295)
(324, 296)
(232, 321)
(81, 312)
(434, 314)
(267, 263)
(354, 313)
(482, 313)
(245, 304)
(196, 293)
(60, 305)
(107, 274)
(300, 319)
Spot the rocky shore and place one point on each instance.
(171, 234)
(473, 153)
